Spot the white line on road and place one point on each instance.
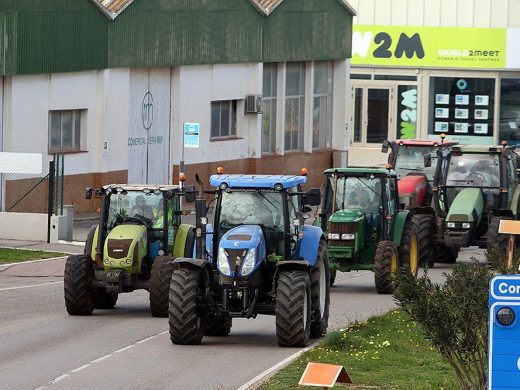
(93, 362)
(30, 286)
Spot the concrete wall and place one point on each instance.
(32, 226)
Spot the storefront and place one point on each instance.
(419, 82)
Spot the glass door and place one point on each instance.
(371, 119)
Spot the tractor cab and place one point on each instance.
(407, 158)
(474, 187)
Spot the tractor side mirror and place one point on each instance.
(427, 160)
(385, 146)
(190, 194)
(88, 193)
(312, 197)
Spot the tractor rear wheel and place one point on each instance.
(492, 235)
(218, 325)
(386, 263)
(160, 277)
(320, 293)
(293, 309)
(186, 292)
(332, 278)
(78, 285)
(409, 248)
(424, 225)
(104, 300)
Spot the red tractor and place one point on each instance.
(415, 180)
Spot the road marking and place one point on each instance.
(30, 286)
(95, 361)
(253, 383)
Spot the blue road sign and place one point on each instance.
(504, 332)
(191, 135)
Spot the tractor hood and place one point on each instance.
(243, 248)
(125, 246)
(347, 216)
(412, 190)
(467, 206)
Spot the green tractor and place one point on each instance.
(473, 189)
(133, 246)
(367, 228)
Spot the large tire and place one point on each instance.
(320, 293)
(217, 325)
(409, 248)
(446, 255)
(492, 235)
(104, 300)
(332, 277)
(186, 290)
(293, 309)
(160, 277)
(190, 243)
(386, 263)
(424, 225)
(78, 285)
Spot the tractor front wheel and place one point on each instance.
(386, 263)
(332, 278)
(424, 225)
(493, 237)
(186, 292)
(320, 293)
(78, 285)
(160, 278)
(409, 248)
(293, 309)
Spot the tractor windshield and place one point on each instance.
(358, 193)
(134, 204)
(411, 159)
(474, 170)
(251, 208)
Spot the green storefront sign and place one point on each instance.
(447, 47)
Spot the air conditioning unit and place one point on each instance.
(253, 104)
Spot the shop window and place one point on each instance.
(64, 131)
(510, 111)
(357, 76)
(223, 119)
(269, 109)
(462, 108)
(377, 115)
(294, 105)
(322, 105)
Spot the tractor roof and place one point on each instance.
(479, 149)
(362, 170)
(424, 142)
(142, 187)
(256, 181)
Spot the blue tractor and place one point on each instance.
(257, 257)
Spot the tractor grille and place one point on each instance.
(349, 243)
(344, 227)
(118, 249)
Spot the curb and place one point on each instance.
(261, 378)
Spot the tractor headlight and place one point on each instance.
(333, 236)
(466, 225)
(450, 225)
(223, 263)
(348, 236)
(249, 263)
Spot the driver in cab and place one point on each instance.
(141, 208)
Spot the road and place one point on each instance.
(126, 348)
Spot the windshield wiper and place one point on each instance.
(367, 186)
(266, 198)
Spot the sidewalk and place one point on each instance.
(67, 248)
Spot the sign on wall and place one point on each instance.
(191, 135)
(435, 47)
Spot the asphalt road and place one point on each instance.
(126, 348)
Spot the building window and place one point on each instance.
(510, 111)
(322, 109)
(294, 105)
(269, 109)
(462, 108)
(64, 131)
(224, 119)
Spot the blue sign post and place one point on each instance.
(504, 332)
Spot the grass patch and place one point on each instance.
(9, 256)
(386, 352)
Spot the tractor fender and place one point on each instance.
(92, 237)
(182, 238)
(398, 226)
(310, 243)
(515, 200)
(185, 262)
